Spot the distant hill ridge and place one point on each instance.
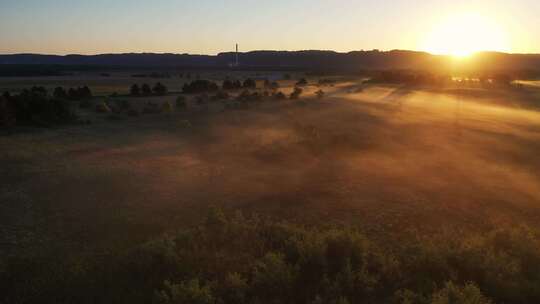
(312, 59)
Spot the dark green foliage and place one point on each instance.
(234, 259)
(200, 86)
(35, 107)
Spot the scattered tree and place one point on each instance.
(146, 90)
(135, 90)
(160, 89)
(249, 84)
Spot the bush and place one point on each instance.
(279, 96)
(166, 107)
(296, 93)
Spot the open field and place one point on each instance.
(387, 158)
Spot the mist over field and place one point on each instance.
(422, 158)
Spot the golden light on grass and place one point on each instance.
(464, 34)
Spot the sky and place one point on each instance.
(210, 27)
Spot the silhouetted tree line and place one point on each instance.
(200, 86)
(35, 107)
(145, 89)
(410, 78)
(79, 93)
(231, 85)
(425, 78)
(248, 83)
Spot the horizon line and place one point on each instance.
(259, 50)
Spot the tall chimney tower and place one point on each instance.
(237, 63)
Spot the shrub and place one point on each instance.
(279, 96)
(296, 93)
(166, 107)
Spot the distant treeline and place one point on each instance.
(424, 78)
(36, 107)
(158, 89)
(351, 62)
(239, 260)
(206, 86)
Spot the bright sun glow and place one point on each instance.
(465, 34)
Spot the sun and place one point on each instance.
(465, 34)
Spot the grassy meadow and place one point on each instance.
(425, 193)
